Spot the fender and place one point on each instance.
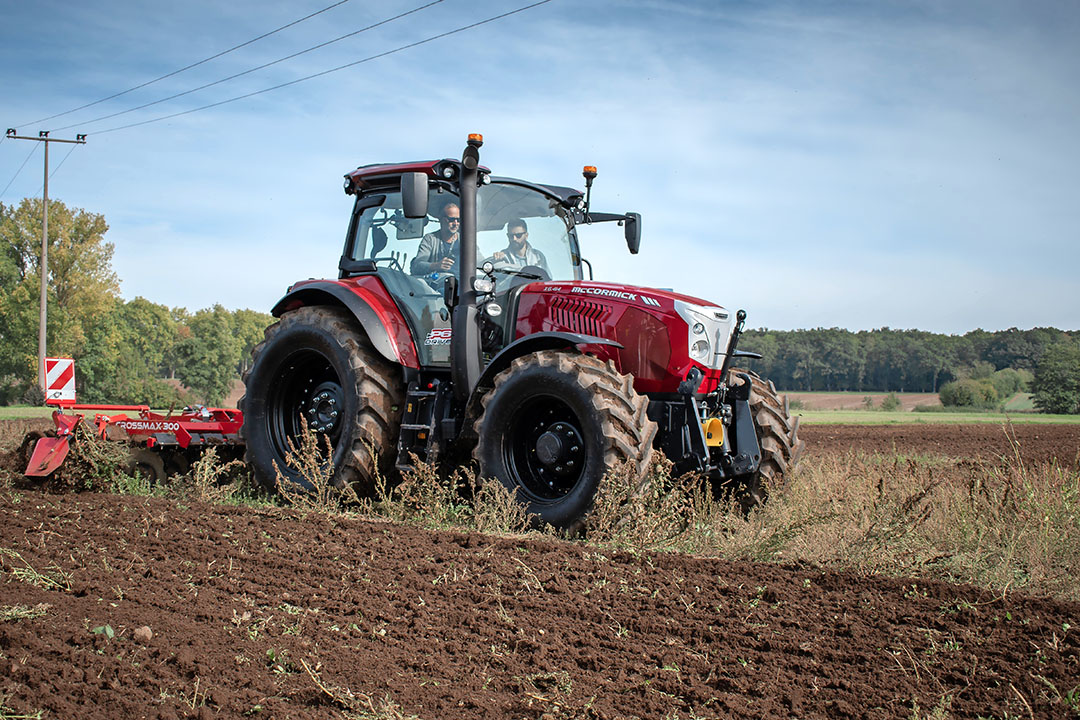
(379, 332)
(530, 344)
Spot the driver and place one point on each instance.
(439, 251)
(518, 252)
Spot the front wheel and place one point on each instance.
(316, 368)
(554, 424)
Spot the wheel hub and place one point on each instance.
(322, 407)
(550, 451)
(558, 448)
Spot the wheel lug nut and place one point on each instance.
(311, 411)
(333, 401)
(333, 414)
(574, 449)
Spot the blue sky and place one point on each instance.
(851, 164)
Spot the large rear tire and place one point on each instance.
(316, 364)
(554, 425)
(778, 436)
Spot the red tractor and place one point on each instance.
(461, 320)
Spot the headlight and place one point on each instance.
(708, 330)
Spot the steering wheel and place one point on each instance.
(535, 270)
(395, 264)
(528, 272)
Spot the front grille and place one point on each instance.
(577, 315)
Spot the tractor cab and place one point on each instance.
(524, 233)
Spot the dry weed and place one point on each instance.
(215, 481)
(995, 524)
(495, 509)
(316, 491)
(641, 514)
(357, 705)
(425, 497)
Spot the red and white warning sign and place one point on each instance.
(59, 381)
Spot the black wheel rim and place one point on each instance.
(545, 448)
(305, 389)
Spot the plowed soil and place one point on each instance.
(125, 607)
(1034, 443)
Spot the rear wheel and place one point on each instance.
(777, 434)
(554, 424)
(315, 366)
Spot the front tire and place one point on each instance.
(554, 425)
(316, 364)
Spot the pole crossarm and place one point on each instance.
(80, 139)
(43, 136)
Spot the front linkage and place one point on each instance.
(712, 433)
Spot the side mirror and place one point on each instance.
(414, 194)
(632, 230)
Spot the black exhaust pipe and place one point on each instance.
(465, 351)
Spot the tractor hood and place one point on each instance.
(619, 292)
(663, 334)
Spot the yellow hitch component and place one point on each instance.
(714, 432)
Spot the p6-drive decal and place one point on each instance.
(438, 336)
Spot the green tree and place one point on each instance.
(250, 326)
(82, 286)
(968, 392)
(207, 358)
(1056, 387)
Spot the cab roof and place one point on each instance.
(381, 174)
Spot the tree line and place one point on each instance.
(125, 351)
(963, 368)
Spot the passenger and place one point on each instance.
(518, 252)
(439, 251)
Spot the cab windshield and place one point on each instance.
(525, 234)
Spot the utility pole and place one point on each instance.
(43, 136)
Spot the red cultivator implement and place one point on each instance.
(160, 444)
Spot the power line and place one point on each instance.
(32, 151)
(260, 67)
(192, 65)
(332, 70)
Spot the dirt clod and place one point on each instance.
(143, 634)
